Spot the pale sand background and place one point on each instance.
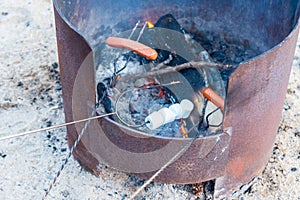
(28, 164)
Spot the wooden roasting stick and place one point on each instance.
(132, 45)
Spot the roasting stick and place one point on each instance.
(177, 155)
(133, 30)
(54, 127)
(70, 154)
(141, 32)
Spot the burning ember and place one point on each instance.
(165, 82)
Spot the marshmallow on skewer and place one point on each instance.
(187, 107)
(154, 120)
(167, 115)
(177, 110)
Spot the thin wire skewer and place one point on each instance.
(77, 121)
(70, 153)
(176, 156)
(133, 30)
(141, 33)
(55, 126)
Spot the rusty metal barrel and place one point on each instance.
(254, 95)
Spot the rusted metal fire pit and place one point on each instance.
(254, 95)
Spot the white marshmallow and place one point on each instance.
(177, 110)
(187, 107)
(154, 120)
(168, 115)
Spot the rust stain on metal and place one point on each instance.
(72, 50)
(256, 91)
(239, 165)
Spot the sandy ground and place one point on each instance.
(30, 98)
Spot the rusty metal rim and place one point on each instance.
(249, 60)
(56, 7)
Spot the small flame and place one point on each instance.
(183, 130)
(150, 25)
